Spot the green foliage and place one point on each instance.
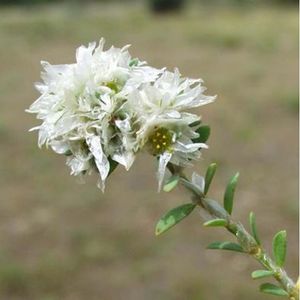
(261, 274)
(225, 246)
(210, 172)
(252, 222)
(229, 193)
(173, 217)
(204, 133)
(216, 223)
(272, 289)
(279, 247)
(171, 183)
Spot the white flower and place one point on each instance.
(81, 107)
(164, 123)
(107, 107)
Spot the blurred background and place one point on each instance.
(64, 240)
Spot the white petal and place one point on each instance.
(83, 53)
(187, 148)
(173, 114)
(101, 160)
(34, 128)
(78, 164)
(59, 147)
(162, 164)
(123, 125)
(126, 159)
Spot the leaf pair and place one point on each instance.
(177, 214)
(279, 241)
(279, 252)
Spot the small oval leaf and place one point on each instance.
(272, 289)
(211, 170)
(253, 227)
(216, 223)
(261, 274)
(229, 193)
(173, 217)
(171, 183)
(279, 247)
(204, 133)
(225, 246)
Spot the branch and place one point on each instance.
(220, 216)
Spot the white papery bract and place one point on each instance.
(106, 107)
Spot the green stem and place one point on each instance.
(244, 238)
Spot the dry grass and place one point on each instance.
(62, 240)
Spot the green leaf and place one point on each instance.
(211, 170)
(279, 247)
(192, 187)
(216, 223)
(204, 132)
(252, 222)
(261, 274)
(215, 208)
(173, 217)
(225, 246)
(272, 289)
(229, 193)
(112, 165)
(171, 183)
(196, 123)
(134, 62)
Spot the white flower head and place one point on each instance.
(165, 124)
(106, 107)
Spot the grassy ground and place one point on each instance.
(62, 240)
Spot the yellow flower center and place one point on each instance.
(113, 86)
(160, 141)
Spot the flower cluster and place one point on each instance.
(105, 108)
